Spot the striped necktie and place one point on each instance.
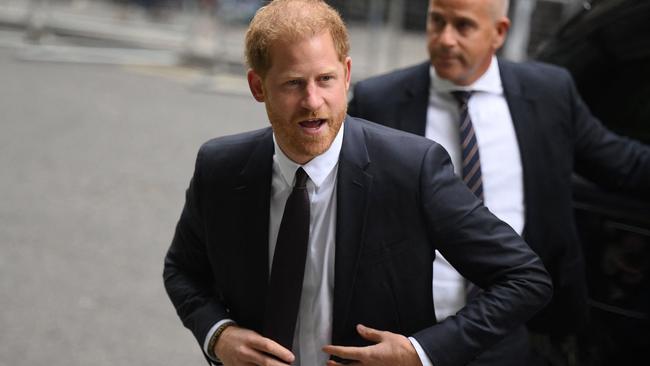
(469, 146)
(471, 162)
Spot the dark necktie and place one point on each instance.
(469, 147)
(288, 269)
(471, 162)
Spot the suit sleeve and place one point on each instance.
(484, 250)
(614, 162)
(187, 272)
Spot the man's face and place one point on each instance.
(462, 37)
(305, 93)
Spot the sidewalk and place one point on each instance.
(129, 36)
(182, 33)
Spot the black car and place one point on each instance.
(606, 47)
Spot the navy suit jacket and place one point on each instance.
(397, 201)
(557, 136)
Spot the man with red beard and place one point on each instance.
(311, 242)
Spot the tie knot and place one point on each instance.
(462, 96)
(301, 178)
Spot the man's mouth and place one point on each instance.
(447, 57)
(312, 125)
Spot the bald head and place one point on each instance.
(498, 8)
(464, 35)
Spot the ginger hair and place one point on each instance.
(292, 20)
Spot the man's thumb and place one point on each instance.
(369, 334)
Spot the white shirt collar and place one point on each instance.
(317, 168)
(489, 82)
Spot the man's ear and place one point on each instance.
(502, 25)
(255, 85)
(348, 72)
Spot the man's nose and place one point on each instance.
(312, 99)
(448, 36)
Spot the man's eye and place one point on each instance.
(463, 26)
(437, 21)
(293, 82)
(327, 78)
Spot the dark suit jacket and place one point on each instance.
(557, 136)
(397, 201)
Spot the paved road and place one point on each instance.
(94, 161)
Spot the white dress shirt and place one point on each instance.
(501, 166)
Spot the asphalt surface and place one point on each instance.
(94, 161)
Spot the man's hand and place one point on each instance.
(239, 346)
(391, 349)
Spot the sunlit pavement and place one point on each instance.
(94, 161)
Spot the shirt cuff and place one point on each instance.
(210, 333)
(421, 354)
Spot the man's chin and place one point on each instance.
(316, 147)
(448, 72)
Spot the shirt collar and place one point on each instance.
(317, 168)
(489, 82)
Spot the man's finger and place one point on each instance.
(370, 334)
(259, 358)
(272, 348)
(349, 353)
(334, 363)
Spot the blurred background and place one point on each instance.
(104, 103)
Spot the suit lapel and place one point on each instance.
(254, 188)
(353, 187)
(413, 108)
(522, 110)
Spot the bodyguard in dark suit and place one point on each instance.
(379, 203)
(532, 130)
